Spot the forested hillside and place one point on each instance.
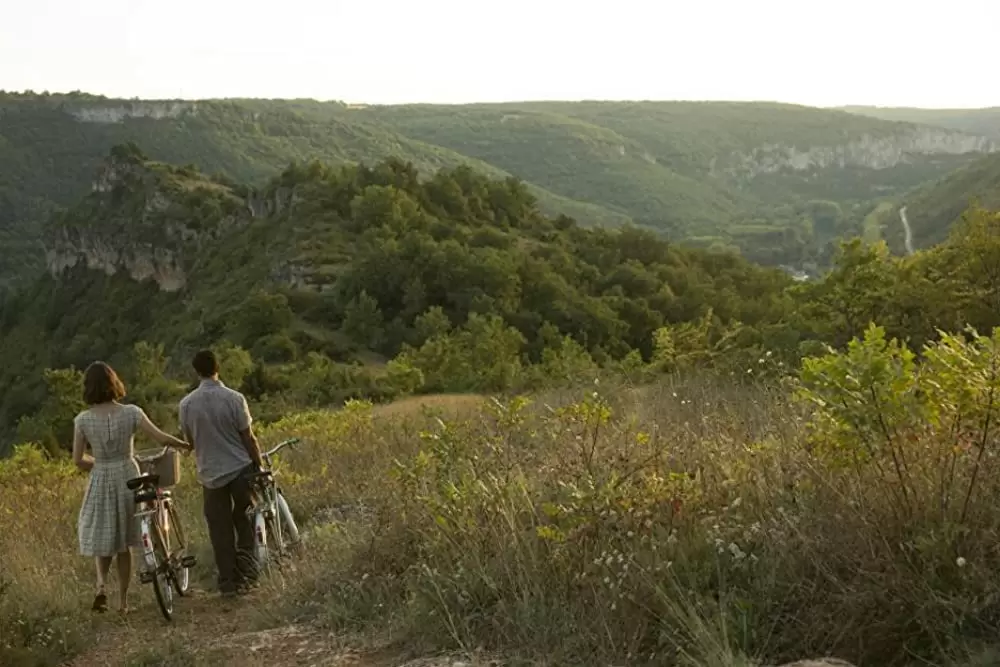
(324, 271)
(933, 209)
(324, 274)
(778, 183)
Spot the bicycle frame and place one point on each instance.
(164, 561)
(153, 512)
(268, 503)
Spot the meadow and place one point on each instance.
(695, 519)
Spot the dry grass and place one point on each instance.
(686, 523)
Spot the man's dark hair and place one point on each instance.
(205, 363)
(101, 384)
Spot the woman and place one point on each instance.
(107, 525)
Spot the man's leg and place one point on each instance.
(246, 563)
(219, 516)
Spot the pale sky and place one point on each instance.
(926, 53)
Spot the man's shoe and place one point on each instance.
(229, 590)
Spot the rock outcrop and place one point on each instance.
(139, 261)
(142, 221)
(867, 151)
(117, 113)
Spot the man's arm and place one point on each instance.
(182, 422)
(244, 423)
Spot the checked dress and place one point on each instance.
(107, 524)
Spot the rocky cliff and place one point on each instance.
(146, 219)
(868, 151)
(117, 113)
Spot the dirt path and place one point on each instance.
(208, 630)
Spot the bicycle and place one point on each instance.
(269, 512)
(166, 567)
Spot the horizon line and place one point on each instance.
(28, 92)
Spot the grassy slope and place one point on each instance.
(522, 560)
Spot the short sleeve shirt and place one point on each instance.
(212, 416)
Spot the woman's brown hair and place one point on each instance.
(101, 384)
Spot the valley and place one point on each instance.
(779, 184)
(578, 383)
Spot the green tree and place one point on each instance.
(52, 424)
(363, 321)
(235, 363)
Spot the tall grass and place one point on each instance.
(697, 521)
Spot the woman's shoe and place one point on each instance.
(100, 603)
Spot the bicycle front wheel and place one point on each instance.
(261, 548)
(291, 531)
(179, 560)
(161, 577)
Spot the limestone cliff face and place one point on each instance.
(136, 223)
(141, 261)
(872, 152)
(117, 113)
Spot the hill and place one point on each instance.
(675, 442)
(933, 209)
(327, 272)
(755, 177)
(982, 122)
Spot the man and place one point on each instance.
(216, 421)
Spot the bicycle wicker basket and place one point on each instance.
(168, 467)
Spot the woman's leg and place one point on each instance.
(124, 578)
(103, 567)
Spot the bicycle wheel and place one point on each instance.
(291, 531)
(180, 562)
(260, 546)
(161, 578)
(275, 544)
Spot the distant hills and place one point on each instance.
(933, 208)
(779, 183)
(984, 122)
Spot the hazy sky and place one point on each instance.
(820, 52)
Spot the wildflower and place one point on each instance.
(736, 552)
(960, 561)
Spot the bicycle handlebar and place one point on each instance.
(152, 457)
(281, 445)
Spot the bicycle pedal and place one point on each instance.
(189, 561)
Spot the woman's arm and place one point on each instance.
(82, 460)
(150, 429)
